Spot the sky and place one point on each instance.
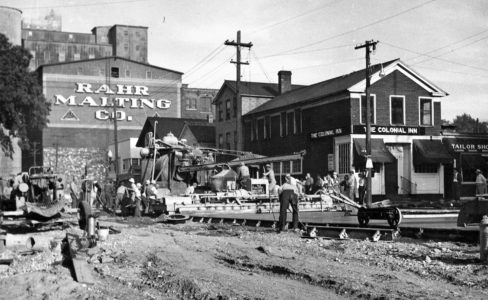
(443, 40)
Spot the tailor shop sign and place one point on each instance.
(103, 97)
(390, 130)
(467, 145)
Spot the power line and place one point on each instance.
(213, 70)
(362, 27)
(315, 10)
(454, 43)
(286, 53)
(260, 64)
(206, 59)
(438, 58)
(452, 50)
(80, 5)
(328, 64)
(455, 72)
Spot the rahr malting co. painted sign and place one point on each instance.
(103, 96)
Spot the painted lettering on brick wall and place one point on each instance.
(124, 96)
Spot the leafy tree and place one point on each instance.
(23, 107)
(467, 124)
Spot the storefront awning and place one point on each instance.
(473, 162)
(379, 152)
(430, 152)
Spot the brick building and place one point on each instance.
(52, 46)
(81, 125)
(81, 74)
(197, 103)
(230, 109)
(327, 121)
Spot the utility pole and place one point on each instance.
(56, 145)
(108, 74)
(116, 142)
(238, 63)
(368, 45)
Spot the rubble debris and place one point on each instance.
(6, 261)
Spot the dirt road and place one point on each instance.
(150, 260)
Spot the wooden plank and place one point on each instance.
(15, 213)
(82, 271)
(80, 266)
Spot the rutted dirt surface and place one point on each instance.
(150, 260)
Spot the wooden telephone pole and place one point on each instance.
(368, 46)
(238, 63)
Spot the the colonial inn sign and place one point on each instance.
(124, 96)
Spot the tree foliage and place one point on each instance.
(467, 124)
(23, 107)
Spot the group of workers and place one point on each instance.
(352, 185)
(136, 195)
(127, 194)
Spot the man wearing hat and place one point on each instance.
(136, 197)
(288, 196)
(480, 183)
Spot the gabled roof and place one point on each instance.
(205, 134)
(253, 88)
(352, 82)
(175, 126)
(105, 58)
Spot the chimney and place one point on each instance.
(284, 81)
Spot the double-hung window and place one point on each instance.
(397, 110)
(425, 110)
(372, 105)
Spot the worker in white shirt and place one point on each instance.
(289, 192)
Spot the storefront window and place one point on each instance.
(470, 163)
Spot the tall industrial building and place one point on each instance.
(82, 75)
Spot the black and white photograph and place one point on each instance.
(258, 149)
